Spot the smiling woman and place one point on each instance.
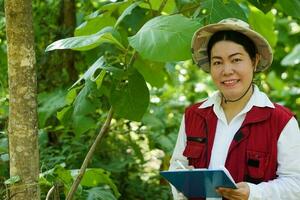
(239, 127)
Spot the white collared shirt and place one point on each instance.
(286, 185)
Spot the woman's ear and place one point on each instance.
(255, 62)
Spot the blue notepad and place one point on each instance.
(199, 182)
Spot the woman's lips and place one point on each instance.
(231, 82)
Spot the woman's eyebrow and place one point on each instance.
(231, 55)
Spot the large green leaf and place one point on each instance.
(95, 24)
(84, 43)
(293, 58)
(219, 9)
(265, 5)
(290, 7)
(153, 72)
(132, 99)
(100, 193)
(165, 38)
(265, 26)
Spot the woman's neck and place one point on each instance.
(231, 109)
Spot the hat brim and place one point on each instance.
(202, 35)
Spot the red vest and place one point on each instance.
(252, 155)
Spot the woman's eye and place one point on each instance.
(236, 60)
(216, 63)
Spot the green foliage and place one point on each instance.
(127, 58)
(292, 58)
(217, 10)
(84, 43)
(131, 99)
(157, 35)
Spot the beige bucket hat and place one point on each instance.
(202, 35)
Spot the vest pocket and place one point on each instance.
(256, 165)
(195, 153)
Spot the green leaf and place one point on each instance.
(153, 72)
(82, 124)
(265, 5)
(126, 12)
(116, 6)
(100, 193)
(89, 74)
(291, 7)
(95, 24)
(98, 177)
(65, 115)
(165, 38)
(83, 104)
(12, 180)
(265, 26)
(169, 7)
(49, 103)
(218, 10)
(3, 145)
(132, 99)
(275, 82)
(84, 43)
(293, 58)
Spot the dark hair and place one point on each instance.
(233, 36)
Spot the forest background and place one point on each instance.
(133, 57)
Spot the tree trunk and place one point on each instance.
(69, 23)
(22, 125)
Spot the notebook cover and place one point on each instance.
(199, 182)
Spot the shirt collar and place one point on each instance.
(258, 99)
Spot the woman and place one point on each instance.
(239, 127)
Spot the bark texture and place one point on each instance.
(69, 23)
(22, 125)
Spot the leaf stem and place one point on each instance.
(89, 155)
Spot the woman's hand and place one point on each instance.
(241, 193)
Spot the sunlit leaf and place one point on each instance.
(293, 58)
(218, 10)
(153, 72)
(265, 26)
(169, 7)
(131, 100)
(84, 43)
(165, 38)
(275, 82)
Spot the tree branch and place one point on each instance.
(90, 154)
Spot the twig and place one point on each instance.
(90, 154)
(50, 192)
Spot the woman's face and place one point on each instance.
(231, 68)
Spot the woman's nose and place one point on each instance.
(227, 69)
